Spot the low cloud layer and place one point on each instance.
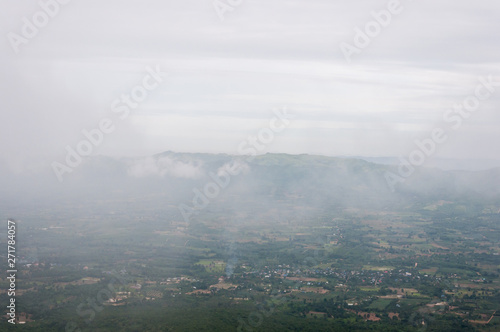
(165, 166)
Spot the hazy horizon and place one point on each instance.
(218, 80)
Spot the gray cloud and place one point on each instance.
(224, 77)
(164, 166)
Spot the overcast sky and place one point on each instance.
(224, 77)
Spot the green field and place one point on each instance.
(380, 304)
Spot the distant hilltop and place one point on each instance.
(263, 179)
